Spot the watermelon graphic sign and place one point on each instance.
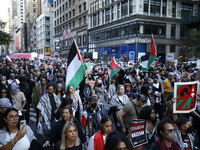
(185, 94)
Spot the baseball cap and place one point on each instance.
(142, 98)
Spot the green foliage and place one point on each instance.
(5, 38)
(194, 39)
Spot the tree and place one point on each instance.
(5, 38)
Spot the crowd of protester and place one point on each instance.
(99, 113)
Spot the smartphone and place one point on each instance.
(22, 122)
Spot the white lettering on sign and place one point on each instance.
(136, 134)
(128, 41)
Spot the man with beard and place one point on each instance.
(91, 117)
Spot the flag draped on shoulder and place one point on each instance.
(75, 67)
(114, 69)
(153, 54)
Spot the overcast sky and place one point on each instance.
(4, 10)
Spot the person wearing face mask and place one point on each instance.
(91, 117)
(183, 133)
(3, 82)
(166, 133)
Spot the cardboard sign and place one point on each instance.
(185, 94)
(138, 134)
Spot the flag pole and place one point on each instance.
(79, 54)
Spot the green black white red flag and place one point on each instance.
(151, 57)
(114, 69)
(75, 67)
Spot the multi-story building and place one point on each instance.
(117, 27)
(74, 15)
(44, 27)
(13, 14)
(21, 6)
(31, 13)
(44, 36)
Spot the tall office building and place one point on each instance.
(74, 15)
(31, 14)
(118, 27)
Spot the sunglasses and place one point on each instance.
(3, 92)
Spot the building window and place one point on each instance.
(47, 18)
(107, 15)
(70, 14)
(73, 2)
(70, 26)
(173, 31)
(55, 4)
(164, 6)
(63, 8)
(172, 48)
(131, 7)
(79, 8)
(79, 21)
(103, 16)
(73, 24)
(124, 9)
(34, 10)
(159, 29)
(55, 14)
(66, 16)
(118, 11)
(60, 20)
(66, 5)
(73, 12)
(79, 40)
(63, 18)
(174, 9)
(60, 10)
(70, 3)
(146, 6)
(34, 5)
(161, 48)
(187, 9)
(94, 20)
(113, 12)
(55, 23)
(84, 39)
(84, 20)
(107, 2)
(155, 7)
(84, 6)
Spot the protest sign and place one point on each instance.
(198, 63)
(138, 134)
(169, 59)
(185, 94)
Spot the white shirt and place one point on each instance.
(22, 144)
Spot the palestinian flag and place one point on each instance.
(114, 69)
(34, 49)
(75, 67)
(150, 58)
(8, 58)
